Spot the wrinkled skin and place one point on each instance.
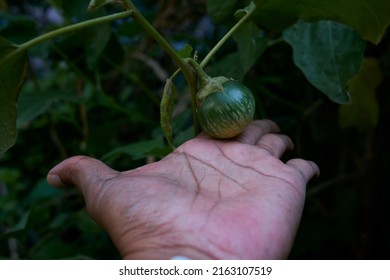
(208, 199)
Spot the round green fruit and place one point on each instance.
(226, 113)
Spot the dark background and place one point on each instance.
(97, 92)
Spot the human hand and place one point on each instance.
(208, 199)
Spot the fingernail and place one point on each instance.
(55, 180)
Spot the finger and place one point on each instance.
(79, 171)
(275, 144)
(256, 130)
(307, 169)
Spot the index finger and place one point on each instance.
(256, 129)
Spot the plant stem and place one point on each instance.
(187, 70)
(207, 59)
(152, 32)
(184, 66)
(61, 31)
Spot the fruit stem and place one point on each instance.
(206, 85)
(203, 78)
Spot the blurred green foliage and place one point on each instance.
(97, 92)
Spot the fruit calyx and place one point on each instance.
(206, 85)
(212, 85)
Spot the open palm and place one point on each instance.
(223, 199)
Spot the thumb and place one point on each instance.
(79, 171)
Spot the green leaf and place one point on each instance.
(25, 27)
(41, 192)
(166, 110)
(21, 225)
(251, 44)
(34, 102)
(363, 112)
(369, 18)
(95, 41)
(219, 10)
(85, 223)
(186, 51)
(240, 13)
(328, 53)
(12, 73)
(54, 249)
(26, 221)
(230, 66)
